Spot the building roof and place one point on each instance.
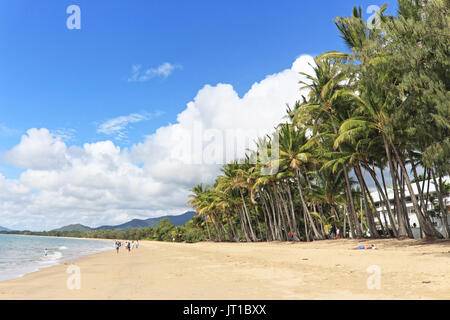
(390, 190)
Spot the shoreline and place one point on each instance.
(36, 265)
(57, 263)
(410, 269)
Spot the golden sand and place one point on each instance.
(408, 269)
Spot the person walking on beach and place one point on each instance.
(137, 244)
(338, 233)
(117, 246)
(132, 245)
(290, 236)
(45, 252)
(128, 246)
(332, 233)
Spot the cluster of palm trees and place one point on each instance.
(382, 109)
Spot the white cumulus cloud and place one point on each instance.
(218, 126)
(38, 149)
(100, 183)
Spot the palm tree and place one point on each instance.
(330, 190)
(327, 110)
(385, 105)
(233, 178)
(296, 157)
(195, 202)
(372, 115)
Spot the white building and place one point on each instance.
(413, 221)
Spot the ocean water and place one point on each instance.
(20, 254)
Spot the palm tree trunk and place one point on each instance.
(225, 232)
(322, 227)
(419, 189)
(218, 235)
(344, 231)
(276, 220)
(369, 216)
(280, 210)
(322, 235)
(207, 227)
(384, 196)
(232, 228)
(428, 229)
(442, 207)
(270, 230)
(243, 224)
(317, 222)
(394, 221)
(286, 210)
(398, 209)
(294, 222)
(405, 210)
(305, 207)
(353, 219)
(268, 236)
(248, 217)
(222, 229)
(350, 220)
(373, 204)
(386, 231)
(424, 204)
(305, 222)
(261, 235)
(401, 224)
(428, 192)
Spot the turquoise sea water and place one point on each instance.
(21, 254)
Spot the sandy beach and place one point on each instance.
(409, 269)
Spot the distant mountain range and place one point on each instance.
(4, 229)
(135, 223)
(74, 227)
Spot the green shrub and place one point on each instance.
(193, 235)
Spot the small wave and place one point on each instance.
(55, 255)
(51, 257)
(62, 248)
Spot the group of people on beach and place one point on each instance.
(334, 233)
(128, 245)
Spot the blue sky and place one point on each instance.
(58, 78)
(73, 81)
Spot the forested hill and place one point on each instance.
(135, 223)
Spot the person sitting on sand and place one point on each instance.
(363, 247)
